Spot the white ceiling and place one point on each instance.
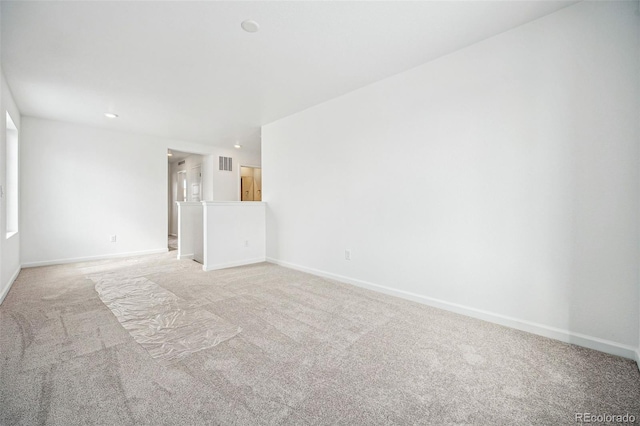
(186, 70)
(177, 156)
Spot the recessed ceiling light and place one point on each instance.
(110, 115)
(250, 26)
(237, 145)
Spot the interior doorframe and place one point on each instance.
(239, 178)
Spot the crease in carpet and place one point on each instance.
(166, 326)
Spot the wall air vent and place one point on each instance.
(180, 163)
(225, 163)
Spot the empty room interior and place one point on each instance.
(319, 212)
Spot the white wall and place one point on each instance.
(83, 184)
(234, 234)
(226, 185)
(500, 181)
(9, 248)
(217, 185)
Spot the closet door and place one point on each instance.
(247, 188)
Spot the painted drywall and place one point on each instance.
(82, 185)
(234, 234)
(500, 181)
(217, 185)
(9, 248)
(226, 184)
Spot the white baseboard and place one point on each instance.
(90, 258)
(9, 284)
(186, 256)
(638, 358)
(528, 326)
(233, 264)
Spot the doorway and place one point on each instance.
(250, 183)
(185, 184)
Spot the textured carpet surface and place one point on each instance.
(172, 243)
(311, 351)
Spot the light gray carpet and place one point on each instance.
(172, 243)
(311, 351)
(168, 327)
